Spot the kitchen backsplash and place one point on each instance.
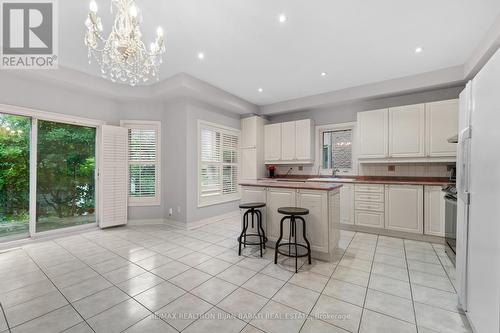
(400, 170)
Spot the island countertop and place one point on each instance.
(291, 184)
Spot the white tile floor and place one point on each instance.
(162, 279)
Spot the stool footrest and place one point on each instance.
(287, 254)
(252, 243)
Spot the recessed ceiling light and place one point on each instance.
(201, 55)
(418, 50)
(282, 18)
(324, 74)
(260, 90)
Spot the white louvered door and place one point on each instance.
(113, 176)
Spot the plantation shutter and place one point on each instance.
(144, 162)
(142, 157)
(113, 176)
(218, 161)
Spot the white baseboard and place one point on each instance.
(145, 222)
(203, 222)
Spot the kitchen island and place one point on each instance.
(322, 200)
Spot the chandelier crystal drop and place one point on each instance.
(122, 56)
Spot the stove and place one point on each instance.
(450, 216)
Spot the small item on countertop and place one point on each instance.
(272, 171)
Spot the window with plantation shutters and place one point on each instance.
(218, 164)
(144, 162)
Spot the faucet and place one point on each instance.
(334, 172)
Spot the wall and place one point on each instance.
(348, 113)
(197, 110)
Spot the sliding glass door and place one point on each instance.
(47, 175)
(14, 175)
(65, 189)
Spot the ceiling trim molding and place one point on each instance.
(178, 86)
(443, 78)
(484, 51)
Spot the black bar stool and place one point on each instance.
(293, 214)
(252, 209)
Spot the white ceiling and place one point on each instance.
(356, 42)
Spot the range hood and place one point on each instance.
(453, 139)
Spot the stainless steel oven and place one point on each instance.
(450, 216)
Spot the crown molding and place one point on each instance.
(178, 86)
(443, 78)
(484, 51)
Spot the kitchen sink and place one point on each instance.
(332, 179)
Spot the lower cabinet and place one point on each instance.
(347, 204)
(434, 211)
(404, 209)
(369, 218)
(276, 198)
(317, 220)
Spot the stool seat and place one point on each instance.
(252, 205)
(293, 211)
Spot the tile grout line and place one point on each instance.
(5, 317)
(411, 287)
(67, 300)
(445, 271)
(367, 286)
(321, 293)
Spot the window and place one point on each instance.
(218, 164)
(144, 162)
(336, 148)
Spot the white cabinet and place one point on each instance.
(272, 142)
(434, 211)
(276, 198)
(316, 220)
(304, 140)
(288, 135)
(407, 131)
(404, 208)
(373, 134)
(290, 142)
(347, 204)
(369, 205)
(252, 148)
(441, 124)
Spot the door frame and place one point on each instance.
(36, 115)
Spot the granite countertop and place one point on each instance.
(303, 185)
(433, 181)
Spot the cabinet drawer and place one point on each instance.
(371, 197)
(371, 188)
(369, 219)
(371, 206)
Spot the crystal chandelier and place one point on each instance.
(122, 56)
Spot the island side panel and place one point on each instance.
(334, 223)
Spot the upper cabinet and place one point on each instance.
(252, 148)
(272, 142)
(290, 142)
(441, 124)
(373, 134)
(409, 133)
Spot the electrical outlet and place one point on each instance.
(170, 212)
(301, 168)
